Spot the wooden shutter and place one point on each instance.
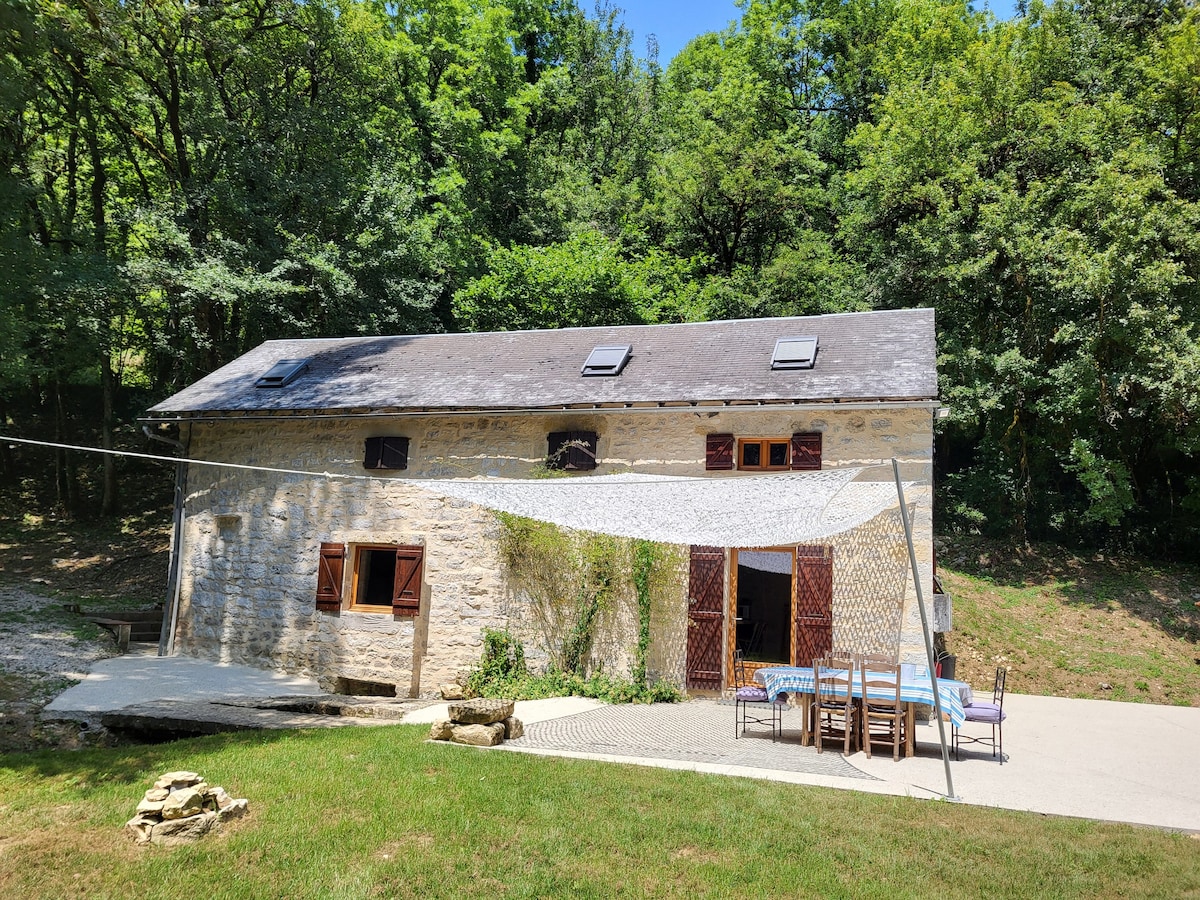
(706, 616)
(410, 564)
(813, 603)
(385, 453)
(329, 577)
(718, 451)
(806, 451)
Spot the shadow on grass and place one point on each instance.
(135, 763)
(1159, 593)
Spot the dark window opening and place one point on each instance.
(571, 451)
(376, 577)
(386, 453)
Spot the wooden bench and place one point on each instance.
(120, 629)
(130, 624)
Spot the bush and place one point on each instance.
(502, 674)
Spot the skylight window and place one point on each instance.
(794, 353)
(283, 372)
(607, 360)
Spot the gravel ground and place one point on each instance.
(45, 647)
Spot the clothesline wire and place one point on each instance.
(155, 457)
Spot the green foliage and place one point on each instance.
(580, 282)
(571, 580)
(179, 182)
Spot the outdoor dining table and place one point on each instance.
(915, 690)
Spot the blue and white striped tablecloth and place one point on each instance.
(914, 687)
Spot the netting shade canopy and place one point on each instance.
(747, 511)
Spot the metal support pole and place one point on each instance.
(166, 639)
(937, 700)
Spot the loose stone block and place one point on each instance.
(440, 730)
(183, 802)
(147, 807)
(140, 827)
(172, 780)
(173, 832)
(451, 691)
(480, 711)
(234, 810)
(513, 728)
(478, 735)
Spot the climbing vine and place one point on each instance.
(571, 579)
(645, 555)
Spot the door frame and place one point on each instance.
(731, 606)
(731, 613)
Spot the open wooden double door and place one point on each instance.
(778, 610)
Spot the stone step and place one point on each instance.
(187, 717)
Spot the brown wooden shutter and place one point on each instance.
(329, 577)
(385, 453)
(706, 617)
(813, 603)
(718, 451)
(410, 564)
(806, 451)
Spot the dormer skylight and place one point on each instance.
(283, 372)
(608, 360)
(794, 353)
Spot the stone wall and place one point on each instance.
(251, 539)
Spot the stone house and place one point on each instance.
(333, 552)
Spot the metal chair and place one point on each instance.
(749, 697)
(886, 715)
(835, 708)
(992, 714)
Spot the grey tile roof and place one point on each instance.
(886, 355)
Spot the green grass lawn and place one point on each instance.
(1099, 627)
(379, 812)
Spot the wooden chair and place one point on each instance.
(883, 720)
(880, 659)
(835, 708)
(750, 703)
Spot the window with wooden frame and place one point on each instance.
(571, 451)
(800, 452)
(383, 578)
(763, 454)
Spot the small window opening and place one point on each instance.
(386, 453)
(608, 360)
(794, 353)
(763, 453)
(375, 576)
(572, 451)
(282, 373)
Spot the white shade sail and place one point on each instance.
(745, 511)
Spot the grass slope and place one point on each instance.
(1068, 626)
(379, 812)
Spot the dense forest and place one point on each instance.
(182, 180)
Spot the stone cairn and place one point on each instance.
(480, 723)
(182, 808)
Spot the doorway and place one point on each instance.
(781, 605)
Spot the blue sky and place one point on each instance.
(675, 22)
